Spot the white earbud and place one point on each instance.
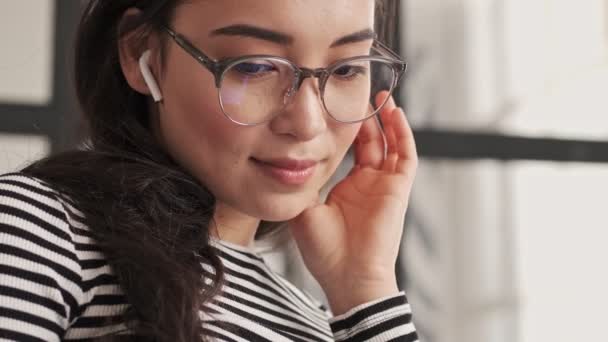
(148, 77)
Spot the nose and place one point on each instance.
(303, 116)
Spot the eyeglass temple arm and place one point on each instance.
(382, 47)
(196, 53)
(388, 51)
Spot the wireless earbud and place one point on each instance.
(148, 77)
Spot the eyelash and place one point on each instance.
(263, 65)
(358, 70)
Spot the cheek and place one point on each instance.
(190, 101)
(344, 136)
(198, 135)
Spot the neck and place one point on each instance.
(234, 226)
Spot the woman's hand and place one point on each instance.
(350, 243)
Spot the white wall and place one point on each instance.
(26, 71)
(26, 61)
(16, 151)
(517, 248)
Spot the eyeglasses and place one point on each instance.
(253, 89)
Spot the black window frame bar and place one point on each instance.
(58, 117)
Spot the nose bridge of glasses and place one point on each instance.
(302, 74)
(305, 73)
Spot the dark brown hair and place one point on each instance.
(149, 215)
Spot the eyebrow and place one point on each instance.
(256, 32)
(356, 37)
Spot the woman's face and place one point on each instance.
(254, 169)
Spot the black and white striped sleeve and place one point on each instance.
(385, 319)
(40, 276)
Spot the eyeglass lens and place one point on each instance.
(254, 90)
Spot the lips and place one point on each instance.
(289, 164)
(287, 171)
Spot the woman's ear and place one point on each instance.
(138, 58)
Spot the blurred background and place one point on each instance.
(505, 235)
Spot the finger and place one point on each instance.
(390, 163)
(383, 97)
(405, 145)
(392, 156)
(387, 105)
(370, 145)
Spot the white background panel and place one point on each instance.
(26, 60)
(17, 151)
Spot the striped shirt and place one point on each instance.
(55, 284)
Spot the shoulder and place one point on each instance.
(38, 262)
(34, 204)
(52, 272)
(31, 206)
(43, 242)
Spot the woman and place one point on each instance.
(211, 124)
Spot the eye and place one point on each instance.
(350, 71)
(253, 68)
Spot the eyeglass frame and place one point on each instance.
(218, 68)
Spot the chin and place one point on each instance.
(281, 210)
(284, 214)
